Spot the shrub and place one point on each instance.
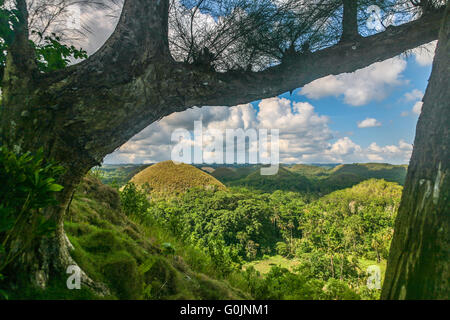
(133, 200)
(27, 187)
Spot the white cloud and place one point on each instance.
(305, 135)
(417, 108)
(344, 150)
(425, 54)
(369, 123)
(343, 147)
(362, 86)
(414, 95)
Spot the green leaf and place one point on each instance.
(55, 187)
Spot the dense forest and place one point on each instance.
(215, 243)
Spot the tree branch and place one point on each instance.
(350, 20)
(140, 37)
(101, 110)
(233, 88)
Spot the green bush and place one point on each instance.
(282, 249)
(133, 200)
(27, 187)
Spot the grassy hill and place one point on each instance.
(133, 260)
(388, 172)
(309, 171)
(284, 180)
(168, 178)
(316, 179)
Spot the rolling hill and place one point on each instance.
(283, 180)
(168, 178)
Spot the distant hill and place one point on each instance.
(348, 175)
(227, 174)
(313, 178)
(208, 169)
(309, 170)
(168, 178)
(389, 172)
(119, 174)
(283, 180)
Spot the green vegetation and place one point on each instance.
(263, 243)
(51, 53)
(28, 187)
(318, 180)
(206, 242)
(117, 175)
(134, 260)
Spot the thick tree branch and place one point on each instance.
(350, 20)
(241, 87)
(140, 38)
(102, 110)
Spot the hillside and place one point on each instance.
(309, 171)
(317, 179)
(284, 180)
(166, 178)
(131, 259)
(388, 172)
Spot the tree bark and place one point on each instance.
(350, 21)
(419, 261)
(82, 113)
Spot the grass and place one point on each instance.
(264, 265)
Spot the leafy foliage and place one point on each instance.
(51, 53)
(328, 237)
(28, 186)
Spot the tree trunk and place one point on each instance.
(29, 122)
(419, 261)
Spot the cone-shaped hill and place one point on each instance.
(168, 178)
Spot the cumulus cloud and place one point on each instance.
(304, 135)
(369, 123)
(344, 150)
(414, 95)
(424, 55)
(362, 86)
